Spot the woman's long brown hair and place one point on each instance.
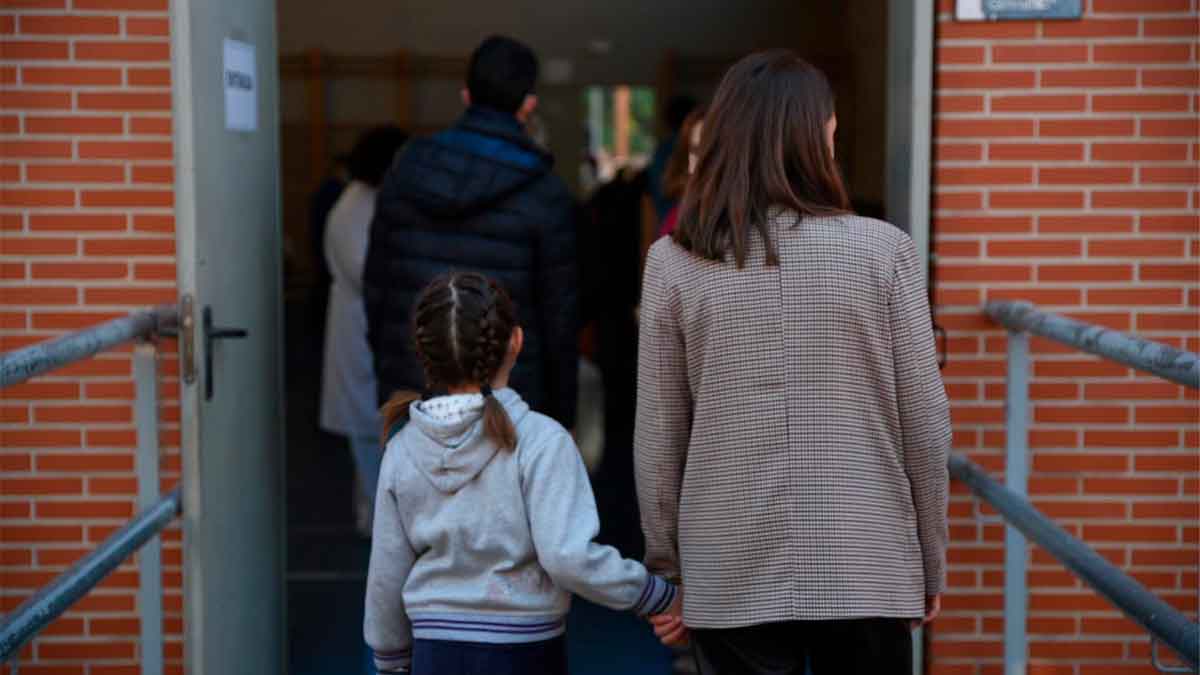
(462, 326)
(764, 145)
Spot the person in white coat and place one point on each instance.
(348, 387)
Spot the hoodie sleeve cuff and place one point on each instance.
(391, 663)
(656, 598)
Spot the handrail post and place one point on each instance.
(1016, 472)
(145, 375)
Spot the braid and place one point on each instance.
(461, 329)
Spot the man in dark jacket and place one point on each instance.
(480, 196)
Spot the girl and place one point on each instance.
(792, 427)
(484, 518)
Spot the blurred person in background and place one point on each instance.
(681, 166)
(677, 110)
(348, 386)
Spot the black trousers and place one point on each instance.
(443, 657)
(846, 647)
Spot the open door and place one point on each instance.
(227, 167)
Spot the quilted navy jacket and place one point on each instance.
(479, 196)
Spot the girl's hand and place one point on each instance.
(669, 627)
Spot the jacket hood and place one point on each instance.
(485, 157)
(452, 453)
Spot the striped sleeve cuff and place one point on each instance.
(656, 597)
(393, 663)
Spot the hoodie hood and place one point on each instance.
(451, 452)
(485, 157)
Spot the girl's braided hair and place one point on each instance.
(462, 325)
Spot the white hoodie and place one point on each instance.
(476, 544)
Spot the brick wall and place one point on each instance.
(1066, 174)
(86, 234)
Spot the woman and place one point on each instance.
(792, 427)
(681, 165)
(348, 390)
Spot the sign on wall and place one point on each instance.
(241, 87)
(999, 10)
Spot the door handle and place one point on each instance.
(211, 334)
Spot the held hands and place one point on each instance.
(933, 607)
(668, 626)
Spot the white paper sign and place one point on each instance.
(241, 87)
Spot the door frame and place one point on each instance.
(199, 608)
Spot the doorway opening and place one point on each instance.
(608, 71)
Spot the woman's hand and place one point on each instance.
(933, 607)
(668, 626)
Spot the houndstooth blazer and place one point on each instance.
(793, 428)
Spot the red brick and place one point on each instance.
(40, 533)
(947, 54)
(1028, 200)
(1183, 510)
(1140, 103)
(1171, 27)
(1084, 175)
(1184, 175)
(128, 198)
(23, 296)
(1091, 78)
(1123, 297)
(1139, 6)
(958, 104)
(85, 463)
(83, 414)
(36, 198)
(984, 273)
(1085, 127)
(68, 24)
(129, 247)
(75, 173)
(950, 30)
(85, 510)
(125, 150)
(150, 126)
(957, 200)
(1067, 602)
(1085, 223)
(10, 124)
(1080, 414)
(1171, 78)
(77, 222)
(1081, 509)
(983, 175)
(122, 51)
(987, 80)
(124, 101)
(1140, 199)
(77, 321)
(85, 651)
(1089, 27)
(1187, 461)
(35, 150)
(1035, 151)
(132, 5)
(984, 128)
(1089, 368)
(1169, 322)
(71, 76)
(110, 390)
(74, 125)
(1113, 438)
(118, 627)
(1126, 53)
(1034, 248)
(1185, 127)
(1136, 248)
(1139, 152)
(957, 249)
(1129, 533)
(1089, 649)
(983, 224)
(1130, 390)
(129, 296)
(147, 26)
(153, 174)
(25, 50)
(154, 272)
(149, 77)
(1040, 53)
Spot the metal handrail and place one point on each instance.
(1152, 357)
(23, 624)
(23, 364)
(51, 601)
(1161, 620)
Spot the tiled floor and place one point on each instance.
(327, 560)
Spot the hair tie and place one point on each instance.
(486, 390)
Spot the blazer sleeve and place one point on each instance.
(558, 281)
(923, 409)
(664, 416)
